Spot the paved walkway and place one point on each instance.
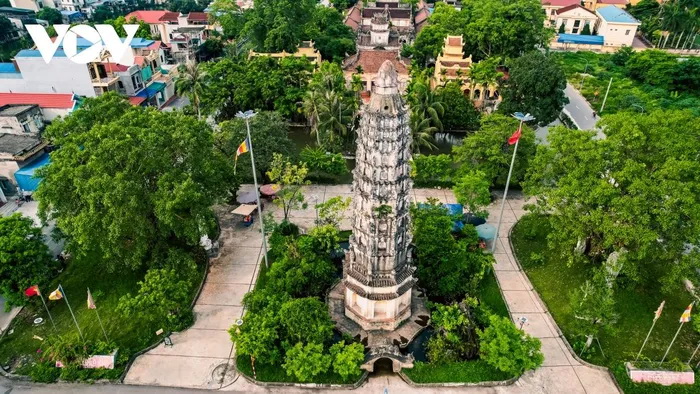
(197, 352)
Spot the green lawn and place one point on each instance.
(490, 295)
(130, 335)
(463, 372)
(555, 281)
(624, 92)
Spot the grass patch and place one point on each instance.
(460, 372)
(624, 92)
(275, 373)
(130, 335)
(490, 295)
(635, 304)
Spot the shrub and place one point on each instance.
(347, 359)
(536, 258)
(44, 372)
(509, 349)
(323, 164)
(306, 320)
(306, 361)
(433, 170)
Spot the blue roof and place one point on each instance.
(25, 175)
(581, 39)
(36, 53)
(616, 15)
(7, 68)
(135, 43)
(69, 13)
(151, 90)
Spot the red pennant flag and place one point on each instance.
(515, 137)
(32, 291)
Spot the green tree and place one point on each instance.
(654, 67)
(24, 258)
(460, 113)
(191, 82)
(7, 29)
(290, 178)
(444, 20)
(336, 119)
(509, 349)
(278, 25)
(635, 190)
(347, 359)
(536, 85)
(306, 361)
(432, 170)
(446, 267)
(333, 39)
(144, 31)
(102, 13)
(331, 212)
(472, 191)
(164, 294)
(258, 337)
(269, 135)
(456, 336)
(424, 102)
(421, 133)
(562, 28)
(51, 15)
(487, 150)
(322, 163)
(128, 181)
(229, 15)
(586, 29)
(186, 6)
(593, 307)
(305, 320)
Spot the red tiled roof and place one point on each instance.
(573, 7)
(114, 67)
(134, 100)
(43, 100)
(560, 3)
(421, 16)
(153, 17)
(394, 13)
(139, 60)
(198, 16)
(372, 60)
(155, 45)
(354, 18)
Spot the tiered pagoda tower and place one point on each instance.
(378, 275)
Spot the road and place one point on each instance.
(580, 112)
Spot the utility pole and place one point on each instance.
(606, 96)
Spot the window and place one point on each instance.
(25, 126)
(554, 12)
(627, 33)
(577, 23)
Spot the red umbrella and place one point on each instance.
(269, 189)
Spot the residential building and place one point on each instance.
(574, 18)
(34, 5)
(21, 119)
(161, 22)
(452, 66)
(29, 73)
(19, 152)
(52, 105)
(595, 4)
(366, 64)
(306, 49)
(617, 26)
(550, 8)
(72, 16)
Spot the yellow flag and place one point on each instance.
(55, 295)
(685, 317)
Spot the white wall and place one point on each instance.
(569, 19)
(617, 34)
(28, 4)
(61, 75)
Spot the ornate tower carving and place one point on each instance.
(378, 274)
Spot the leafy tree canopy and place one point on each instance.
(144, 31)
(333, 39)
(127, 181)
(487, 150)
(509, 349)
(460, 113)
(306, 320)
(637, 190)
(51, 15)
(536, 86)
(277, 25)
(24, 258)
(186, 6)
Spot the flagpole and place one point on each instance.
(63, 292)
(673, 340)
(693, 355)
(99, 320)
(645, 340)
(47, 311)
(247, 115)
(522, 118)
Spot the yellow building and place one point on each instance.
(452, 65)
(595, 4)
(306, 49)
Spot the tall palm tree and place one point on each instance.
(191, 83)
(310, 106)
(425, 103)
(335, 116)
(422, 133)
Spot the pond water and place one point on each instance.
(418, 345)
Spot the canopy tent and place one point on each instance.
(245, 209)
(26, 176)
(486, 231)
(247, 198)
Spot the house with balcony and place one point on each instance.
(574, 18)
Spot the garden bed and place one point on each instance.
(267, 373)
(554, 280)
(473, 371)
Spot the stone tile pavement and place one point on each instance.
(202, 355)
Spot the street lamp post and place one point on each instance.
(246, 116)
(583, 76)
(522, 118)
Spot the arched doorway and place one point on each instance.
(383, 367)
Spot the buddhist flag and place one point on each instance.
(657, 314)
(55, 295)
(90, 301)
(685, 317)
(32, 291)
(515, 137)
(242, 148)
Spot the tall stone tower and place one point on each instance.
(378, 275)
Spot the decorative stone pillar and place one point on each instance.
(378, 275)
